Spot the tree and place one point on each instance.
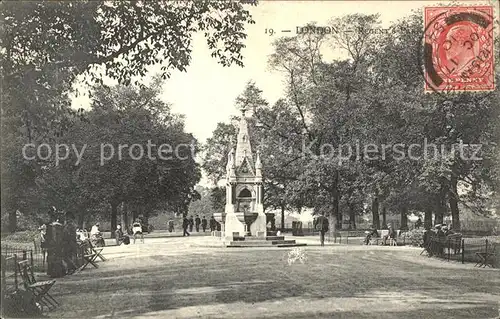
(124, 160)
(45, 46)
(218, 198)
(216, 150)
(269, 129)
(202, 206)
(373, 97)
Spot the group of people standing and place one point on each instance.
(189, 223)
(434, 240)
(58, 243)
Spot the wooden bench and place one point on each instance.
(39, 289)
(97, 251)
(380, 239)
(486, 258)
(88, 256)
(354, 233)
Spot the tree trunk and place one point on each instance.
(114, 214)
(145, 220)
(80, 218)
(12, 221)
(352, 217)
(134, 213)
(384, 217)
(338, 214)
(375, 215)
(439, 214)
(428, 219)
(453, 200)
(404, 218)
(282, 218)
(125, 222)
(441, 205)
(336, 201)
(438, 217)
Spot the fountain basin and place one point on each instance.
(220, 217)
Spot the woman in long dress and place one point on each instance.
(137, 230)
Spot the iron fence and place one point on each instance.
(463, 249)
(35, 256)
(11, 281)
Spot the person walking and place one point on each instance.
(212, 223)
(191, 224)
(185, 225)
(203, 223)
(322, 226)
(197, 223)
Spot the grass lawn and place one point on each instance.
(171, 278)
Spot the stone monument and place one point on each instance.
(243, 222)
(244, 212)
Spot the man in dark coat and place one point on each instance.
(185, 225)
(191, 224)
(322, 226)
(70, 246)
(212, 223)
(197, 223)
(204, 223)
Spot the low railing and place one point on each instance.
(11, 280)
(35, 257)
(463, 249)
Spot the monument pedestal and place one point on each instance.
(264, 241)
(244, 222)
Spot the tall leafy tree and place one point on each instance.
(45, 46)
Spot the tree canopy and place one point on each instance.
(341, 138)
(47, 46)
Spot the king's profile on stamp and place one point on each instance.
(458, 49)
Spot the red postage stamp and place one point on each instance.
(458, 49)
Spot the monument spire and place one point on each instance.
(243, 147)
(258, 165)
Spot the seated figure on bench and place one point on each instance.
(371, 234)
(121, 237)
(391, 234)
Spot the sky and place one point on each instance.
(207, 91)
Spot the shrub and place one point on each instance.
(414, 237)
(22, 237)
(21, 304)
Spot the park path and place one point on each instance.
(180, 278)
